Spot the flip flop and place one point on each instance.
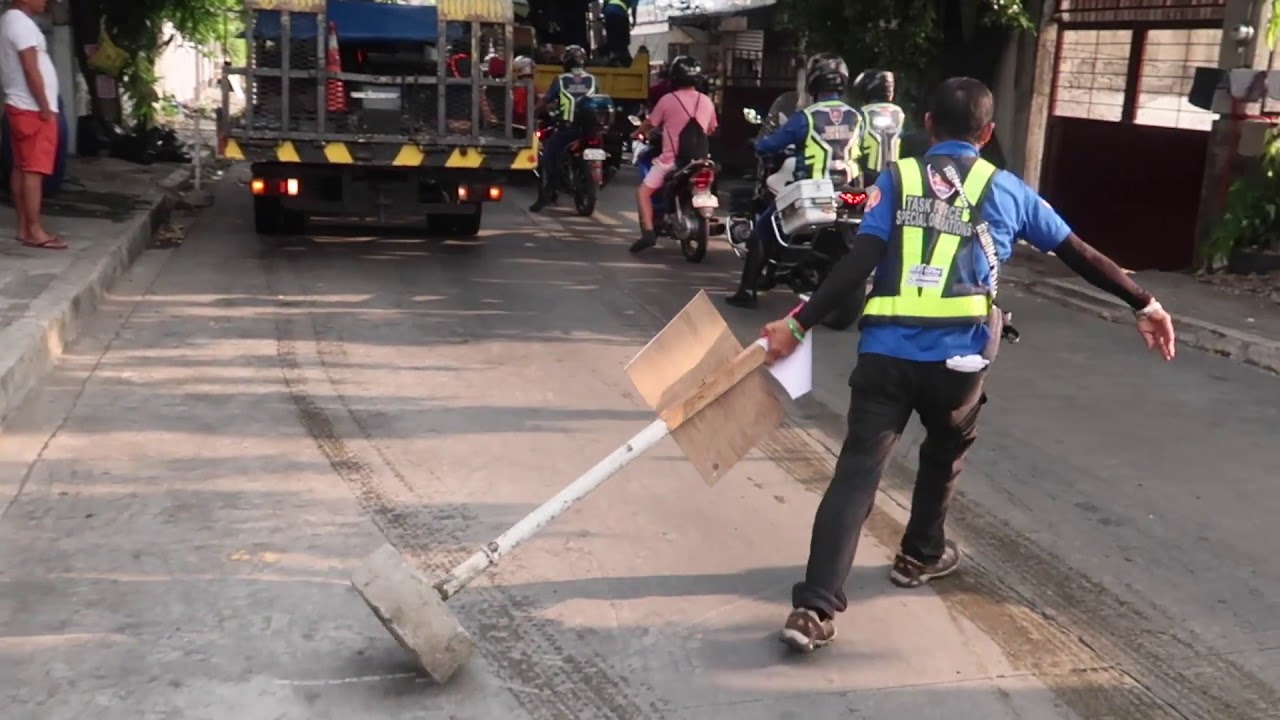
(53, 243)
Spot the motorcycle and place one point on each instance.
(801, 260)
(685, 207)
(579, 171)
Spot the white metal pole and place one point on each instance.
(199, 149)
(490, 554)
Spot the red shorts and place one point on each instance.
(34, 140)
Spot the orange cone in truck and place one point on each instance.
(336, 90)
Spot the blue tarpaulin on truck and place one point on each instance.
(357, 21)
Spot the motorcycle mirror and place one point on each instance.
(751, 116)
(634, 120)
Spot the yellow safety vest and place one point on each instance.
(917, 283)
(818, 152)
(569, 101)
(882, 146)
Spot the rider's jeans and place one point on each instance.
(554, 146)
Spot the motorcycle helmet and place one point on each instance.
(574, 58)
(523, 66)
(873, 86)
(684, 72)
(827, 73)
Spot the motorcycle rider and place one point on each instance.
(883, 121)
(828, 140)
(683, 105)
(566, 90)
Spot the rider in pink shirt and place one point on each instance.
(682, 105)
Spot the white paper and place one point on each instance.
(795, 371)
(968, 363)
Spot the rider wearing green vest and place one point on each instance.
(564, 94)
(884, 121)
(936, 230)
(827, 137)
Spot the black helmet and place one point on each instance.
(574, 58)
(826, 73)
(874, 86)
(684, 72)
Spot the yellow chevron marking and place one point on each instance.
(286, 152)
(526, 159)
(484, 10)
(232, 151)
(465, 157)
(336, 152)
(409, 156)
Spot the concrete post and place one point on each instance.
(1223, 160)
(1038, 110)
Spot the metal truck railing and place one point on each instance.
(435, 80)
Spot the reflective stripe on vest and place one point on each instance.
(882, 146)
(619, 4)
(569, 101)
(817, 152)
(922, 260)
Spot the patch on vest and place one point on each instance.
(933, 214)
(873, 199)
(941, 186)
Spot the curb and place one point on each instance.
(1200, 334)
(35, 343)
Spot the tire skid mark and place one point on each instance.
(510, 637)
(1052, 620)
(1102, 656)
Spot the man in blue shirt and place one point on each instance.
(619, 18)
(936, 230)
(827, 137)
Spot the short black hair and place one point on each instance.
(962, 107)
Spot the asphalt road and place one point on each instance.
(240, 425)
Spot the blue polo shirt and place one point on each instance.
(612, 7)
(1012, 210)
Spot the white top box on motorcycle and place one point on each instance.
(807, 204)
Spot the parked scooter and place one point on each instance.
(820, 220)
(579, 171)
(685, 208)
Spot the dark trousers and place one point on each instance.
(884, 393)
(554, 146)
(617, 36)
(760, 248)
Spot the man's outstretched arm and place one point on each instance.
(1101, 272)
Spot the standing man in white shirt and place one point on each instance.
(30, 86)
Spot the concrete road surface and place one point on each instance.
(240, 426)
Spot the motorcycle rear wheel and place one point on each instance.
(694, 247)
(585, 194)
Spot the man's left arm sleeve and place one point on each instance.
(1040, 225)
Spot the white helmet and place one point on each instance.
(523, 66)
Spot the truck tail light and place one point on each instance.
(258, 186)
(495, 193)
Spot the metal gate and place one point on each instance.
(1124, 149)
(750, 79)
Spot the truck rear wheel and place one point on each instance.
(456, 225)
(270, 219)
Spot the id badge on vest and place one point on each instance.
(925, 276)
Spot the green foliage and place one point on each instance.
(137, 26)
(1251, 218)
(900, 35)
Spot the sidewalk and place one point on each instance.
(106, 211)
(1244, 326)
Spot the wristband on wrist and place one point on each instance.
(1152, 307)
(796, 331)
